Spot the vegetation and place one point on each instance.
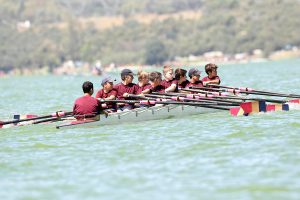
(56, 34)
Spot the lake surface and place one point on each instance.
(208, 156)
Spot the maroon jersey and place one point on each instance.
(159, 88)
(196, 84)
(212, 79)
(131, 88)
(183, 84)
(101, 94)
(141, 89)
(86, 105)
(167, 84)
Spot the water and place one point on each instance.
(209, 156)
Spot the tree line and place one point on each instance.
(230, 26)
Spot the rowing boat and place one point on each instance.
(149, 113)
(142, 114)
(169, 106)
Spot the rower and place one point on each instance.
(143, 84)
(194, 75)
(107, 93)
(170, 83)
(155, 82)
(125, 88)
(87, 106)
(212, 75)
(180, 76)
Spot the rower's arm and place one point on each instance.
(146, 91)
(172, 88)
(111, 97)
(217, 81)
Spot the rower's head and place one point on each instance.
(107, 83)
(155, 78)
(180, 74)
(88, 88)
(211, 70)
(143, 77)
(127, 76)
(194, 74)
(168, 72)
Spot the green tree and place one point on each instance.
(156, 52)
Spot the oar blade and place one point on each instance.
(295, 101)
(237, 111)
(278, 107)
(28, 116)
(248, 108)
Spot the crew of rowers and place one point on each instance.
(147, 83)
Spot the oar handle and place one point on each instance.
(137, 96)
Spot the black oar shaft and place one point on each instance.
(137, 97)
(59, 118)
(239, 97)
(258, 92)
(120, 101)
(207, 100)
(205, 105)
(31, 119)
(204, 99)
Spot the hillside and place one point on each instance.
(140, 32)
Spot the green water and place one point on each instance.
(209, 156)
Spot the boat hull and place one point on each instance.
(143, 114)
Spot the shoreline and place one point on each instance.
(88, 70)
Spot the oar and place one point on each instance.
(237, 91)
(120, 101)
(56, 114)
(60, 118)
(221, 95)
(152, 102)
(75, 123)
(205, 105)
(168, 102)
(246, 89)
(199, 97)
(138, 97)
(236, 97)
(184, 99)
